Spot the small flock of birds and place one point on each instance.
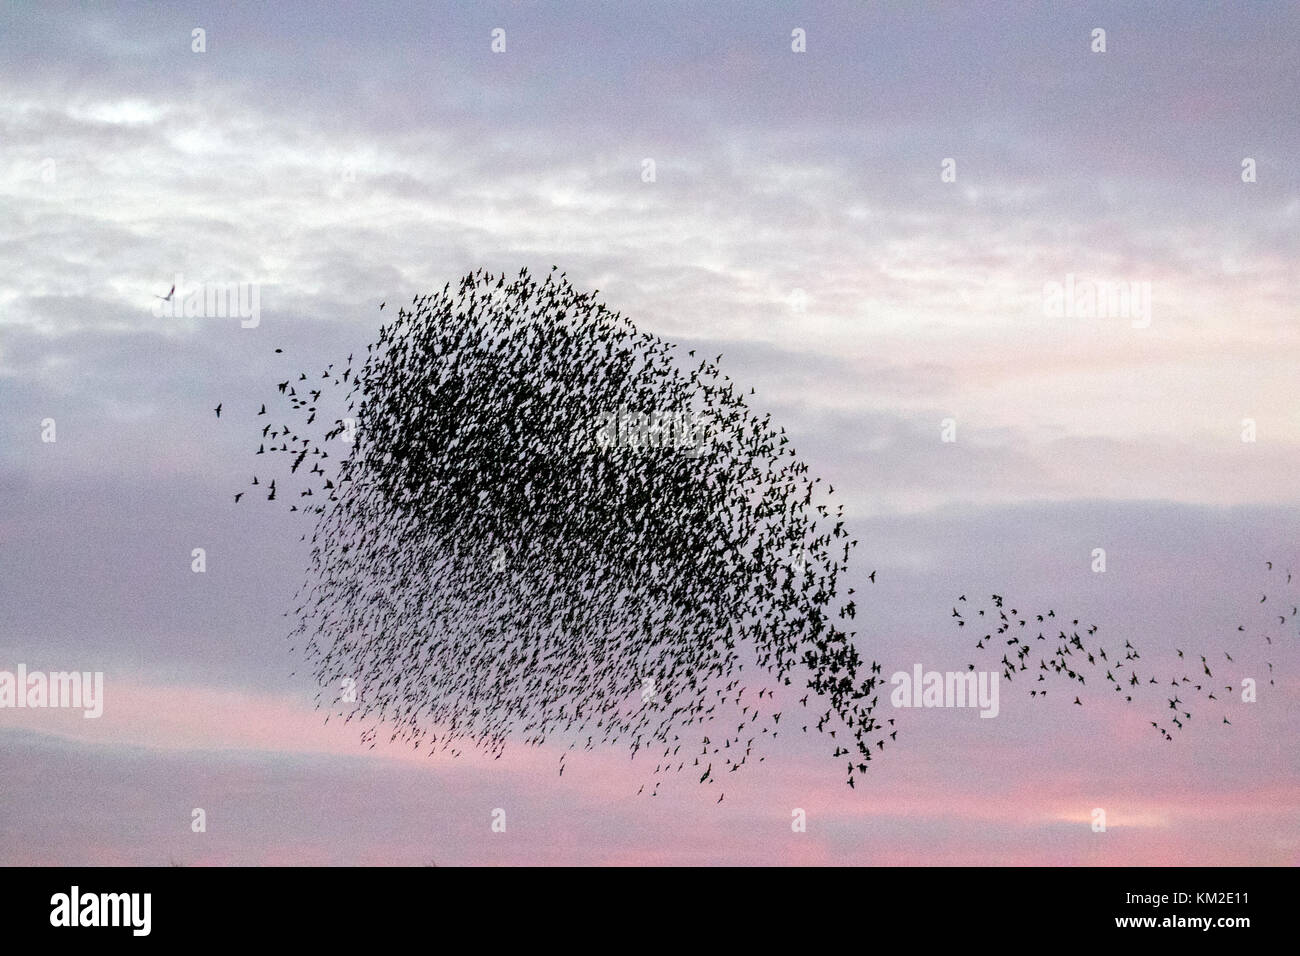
(1042, 651)
(482, 568)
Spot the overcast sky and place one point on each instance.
(798, 222)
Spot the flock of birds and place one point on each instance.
(1042, 651)
(483, 568)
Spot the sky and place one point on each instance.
(871, 231)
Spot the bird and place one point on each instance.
(218, 409)
(168, 296)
